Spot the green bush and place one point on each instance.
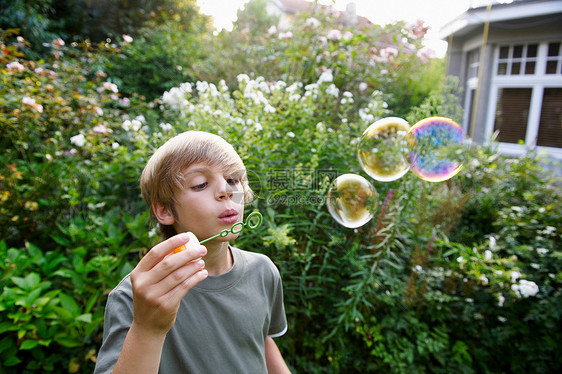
(459, 276)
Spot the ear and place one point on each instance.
(163, 214)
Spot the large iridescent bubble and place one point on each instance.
(382, 148)
(435, 149)
(352, 200)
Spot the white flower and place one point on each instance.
(320, 126)
(484, 279)
(272, 30)
(175, 98)
(514, 276)
(165, 127)
(258, 126)
(136, 124)
(313, 22)
(418, 269)
(152, 232)
(334, 35)
(501, 300)
(492, 242)
(326, 76)
(127, 38)
(362, 86)
(15, 67)
(126, 125)
(347, 35)
(286, 35)
(347, 94)
(291, 134)
(525, 288)
(460, 259)
(502, 319)
(269, 109)
(242, 78)
(114, 145)
(202, 86)
(333, 90)
(488, 255)
(294, 87)
(78, 140)
(542, 251)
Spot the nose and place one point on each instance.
(224, 191)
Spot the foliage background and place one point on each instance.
(431, 284)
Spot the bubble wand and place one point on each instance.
(253, 221)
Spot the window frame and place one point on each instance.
(537, 82)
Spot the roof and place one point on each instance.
(297, 6)
(475, 17)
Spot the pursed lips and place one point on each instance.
(229, 216)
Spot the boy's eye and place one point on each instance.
(232, 181)
(199, 186)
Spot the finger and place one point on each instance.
(159, 251)
(171, 263)
(182, 288)
(179, 276)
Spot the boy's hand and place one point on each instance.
(161, 280)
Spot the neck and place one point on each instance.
(218, 259)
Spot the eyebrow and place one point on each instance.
(199, 169)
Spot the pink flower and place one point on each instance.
(108, 86)
(334, 35)
(100, 129)
(15, 67)
(424, 54)
(58, 42)
(125, 102)
(28, 101)
(312, 22)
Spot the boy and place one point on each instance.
(206, 309)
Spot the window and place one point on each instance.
(512, 114)
(553, 59)
(550, 129)
(526, 96)
(473, 58)
(518, 59)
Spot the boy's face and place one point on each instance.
(210, 202)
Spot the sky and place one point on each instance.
(434, 13)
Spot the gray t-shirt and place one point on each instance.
(221, 325)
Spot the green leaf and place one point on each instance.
(29, 344)
(67, 342)
(7, 326)
(85, 318)
(69, 304)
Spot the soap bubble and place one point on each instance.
(352, 200)
(381, 151)
(436, 149)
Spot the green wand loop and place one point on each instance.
(253, 221)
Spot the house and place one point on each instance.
(508, 58)
(287, 9)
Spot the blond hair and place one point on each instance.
(163, 175)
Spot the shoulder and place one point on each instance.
(123, 291)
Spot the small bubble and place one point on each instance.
(352, 200)
(382, 148)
